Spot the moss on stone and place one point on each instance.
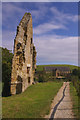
(27, 13)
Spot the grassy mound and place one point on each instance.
(33, 103)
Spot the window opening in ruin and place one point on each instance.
(28, 70)
(24, 55)
(20, 59)
(18, 46)
(25, 42)
(31, 41)
(19, 79)
(29, 80)
(31, 49)
(18, 53)
(25, 38)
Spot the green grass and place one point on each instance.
(40, 67)
(33, 103)
(75, 101)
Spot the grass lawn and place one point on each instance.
(33, 103)
(75, 100)
(40, 67)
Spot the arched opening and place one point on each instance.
(19, 85)
(18, 88)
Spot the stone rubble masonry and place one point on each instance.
(24, 60)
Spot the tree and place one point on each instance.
(6, 70)
(75, 72)
(76, 80)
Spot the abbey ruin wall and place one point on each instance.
(24, 60)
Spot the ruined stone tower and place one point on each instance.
(24, 60)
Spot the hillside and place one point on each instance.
(40, 67)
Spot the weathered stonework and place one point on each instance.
(24, 60)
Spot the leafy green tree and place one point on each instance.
(6, 70)
(76, 80)
(40, 78)
(75, 72)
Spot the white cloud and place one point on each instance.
(8, 39)
(10, 10)
(46, 27)
(63, 17)
(38, 13)
(57, 49)
(57, 21)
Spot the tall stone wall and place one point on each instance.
(24, 60)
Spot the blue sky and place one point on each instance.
(55, 29)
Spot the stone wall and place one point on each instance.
(24, 60)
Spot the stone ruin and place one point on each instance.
(24, 60)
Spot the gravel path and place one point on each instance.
(62, 106)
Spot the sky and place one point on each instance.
(55, 29)
(40, 0)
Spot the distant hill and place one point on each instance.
(40, 67)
